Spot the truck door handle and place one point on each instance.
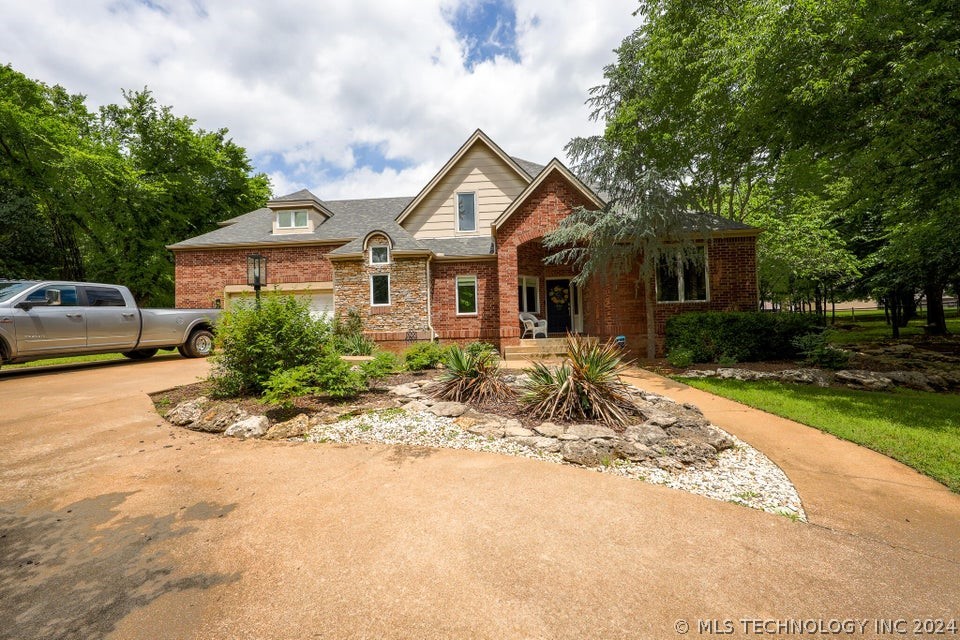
(74, 315)
(127, 315)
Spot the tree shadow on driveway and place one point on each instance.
(76, 572)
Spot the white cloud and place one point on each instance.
(305, 80)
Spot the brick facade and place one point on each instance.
(202, 274)
(610, 307)
(451, 327)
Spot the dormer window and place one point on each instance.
(466, 212)
(292, 219)
(379, 255)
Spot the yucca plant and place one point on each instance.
(472, 377)
(586, 386)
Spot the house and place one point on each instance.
(458, 261)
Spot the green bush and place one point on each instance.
(472, 377)
(252, 343)
(818, 352)
(479, 348)
(680, 357)
(742, 336)
(423, 355)
(586, 386)
(356, 344)
(383, 364)
(327, 375)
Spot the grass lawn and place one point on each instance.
(97, 357)
(920, 429)
(869, 326)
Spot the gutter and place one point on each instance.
(433, 334)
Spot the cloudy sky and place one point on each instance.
(349, 98)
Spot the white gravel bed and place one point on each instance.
(742, 475)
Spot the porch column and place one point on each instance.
(507, 289)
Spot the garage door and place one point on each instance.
(321, 304)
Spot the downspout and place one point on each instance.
(433, 334)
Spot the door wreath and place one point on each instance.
(559, 295)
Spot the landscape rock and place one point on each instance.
(216, 419)
(293, 428)
(549, 445)
(916, 380)
(590, 431)
(699, 373)
(186, 412)
(579, 452)
(729, 373)
(517, 432)
(448, 409)
(550, 430)
(860, 379)
(645, 434)
(407, 389)
(805, 376)
(251, 427)
(416, 406)
(658, 417)
(633, 451)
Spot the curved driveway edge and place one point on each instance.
(843, 486)
(117, 525)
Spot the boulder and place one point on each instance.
(658, 417)
(729, 373)
(590, 431)
(550, 430)
(633, 451)
(407, 389)
(517, 432)
(293, 428)
(448, 409)
(415, 406)
(217, 418)
(805, 376)
(549, 445)
(250, 427)
(187, 411)
(915, 380)
(489, 429)
(579, 452)
(861, 379)
(698, 373)
(645, 434)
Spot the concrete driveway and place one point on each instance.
(115, 524)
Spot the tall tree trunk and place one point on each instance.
(908, 307)
(651, 318)
(936, 320)
(895, 308)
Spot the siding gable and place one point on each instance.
(479, 170)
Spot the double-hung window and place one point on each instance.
(380, 289)
(466, 212)
(292, 219)
(680, 280)
(528, 293)
(466, 295)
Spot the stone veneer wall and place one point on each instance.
(485, 324)
(405, 318)
(202, 274)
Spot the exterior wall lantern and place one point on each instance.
(256, 273)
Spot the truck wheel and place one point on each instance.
(198, 345)
(141, 354)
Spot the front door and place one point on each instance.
(558, 305)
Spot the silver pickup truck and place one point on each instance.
(51, 319)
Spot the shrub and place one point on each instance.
(680, 357)
(327, 375)
(383, 364)
(818, 352)
(253, 343)
(472, 377)
(356, 344)
(478, 348)
(741, 336)
(586, 386)
(423, 355)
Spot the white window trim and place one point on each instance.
(387, 261)
(389, 297)
(293, 219)
(456, 212)
(680, 282)
(536, 285)
(476, 294)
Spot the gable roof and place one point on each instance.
(553, 167)
(477, 137)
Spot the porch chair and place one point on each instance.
(531, 325)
